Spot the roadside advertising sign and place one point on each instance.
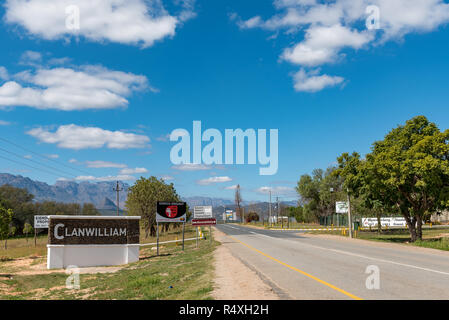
(40, 222)
(341, 207)
(171, 211)
(202, 212)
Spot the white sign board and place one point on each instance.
(40, 222)
(202, 212)
(391, 222)
(341, 207)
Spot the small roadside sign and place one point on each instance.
(171, 211)
(341, 207)
(202, 212)
(204, 222)
(40, 222)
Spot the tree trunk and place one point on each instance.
(379, 224)
(411, 224)
(6, 244)
(418, 227)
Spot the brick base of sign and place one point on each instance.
(61, 256)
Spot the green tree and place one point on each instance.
(90, 210)
(407, 172)
(6, 216)
(238, 202)
(142, 200)
(27, 229)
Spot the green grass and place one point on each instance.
(431, 237)
(174, 274)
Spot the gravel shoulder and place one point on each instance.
(233, 279)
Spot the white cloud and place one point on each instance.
(277, 191)
(106, 178)
(191, 167)
(4, 75)
(31, 58)
(76, 137)
(322, 45)
(28, 156)
(133, 171)
(52, 156)
(332, 26)
(86, 87)
(135, 22)
(311, 82)
(4, 123)
(167, 178)
(104, 164)
(231, 187)
(212, 180)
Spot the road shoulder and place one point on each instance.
(233, 279)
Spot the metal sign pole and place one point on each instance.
(183, 228)
(35, 237)
(210, 233)
(157, 236)
(197, 235)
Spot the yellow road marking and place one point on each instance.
(300, 271)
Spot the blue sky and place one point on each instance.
(103, 100)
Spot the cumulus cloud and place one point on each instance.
(104, 164)
(134, 22)
(77, 137)
(280, 191)
(133, 171)
(329, 27)
(312, 82)
(4, 75)
(106, 178)
(86, 87)
(191, 167)
(213, 180)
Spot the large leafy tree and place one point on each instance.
(407, 172)
(409, 169)
(143, 197)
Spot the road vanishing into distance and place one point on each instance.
(298, 266)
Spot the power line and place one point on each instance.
(44, 157)
(36, 162)
(27, 165)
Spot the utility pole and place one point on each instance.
(277, 214)
(118, 189)
(349, 215)
(269, 210)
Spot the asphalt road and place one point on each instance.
(307, 267)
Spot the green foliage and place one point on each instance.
(6, 216)
(319, 192)
(251, 216)
(142, 200)
(27, 228)
(90, 210)
(407, 172)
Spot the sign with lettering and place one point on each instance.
(341, 207)
(202, 212)
(204, 222)
(68, 231)
(171, 211)
(40, 222)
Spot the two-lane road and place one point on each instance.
(310, 267)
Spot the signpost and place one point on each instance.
(202, 216)
(40, 222)
(170, 212)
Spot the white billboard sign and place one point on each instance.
(341, 207)
(387, 221)
(40, 222)
(202, 212)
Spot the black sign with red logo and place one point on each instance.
(171, 211)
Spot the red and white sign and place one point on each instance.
(204, 222)
(171, 211)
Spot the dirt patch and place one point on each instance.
(235, 281)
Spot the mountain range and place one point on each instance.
(102, 194)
